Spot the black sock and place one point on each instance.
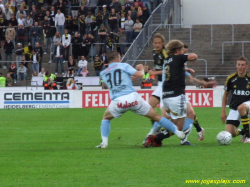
(241, 131)
(152, 121)
(162, 135)
(245, 123)
(196, 124)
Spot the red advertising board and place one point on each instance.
(100, 99)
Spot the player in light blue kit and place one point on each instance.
(117, 77)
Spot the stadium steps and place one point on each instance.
(201, 45)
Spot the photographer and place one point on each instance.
(50, 85)
(71, 84)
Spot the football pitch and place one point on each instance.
(56, 147)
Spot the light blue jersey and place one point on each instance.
(117, 77)
(187, 74)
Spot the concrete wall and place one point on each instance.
(215, 12)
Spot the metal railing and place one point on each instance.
(190, 30)
(158, 17)
(233, 42)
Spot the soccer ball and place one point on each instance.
(224, 138)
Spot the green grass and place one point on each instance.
(56, 147)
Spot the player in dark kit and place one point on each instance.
(174, 84)
(238, 84)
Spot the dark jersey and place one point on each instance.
(240, 89)
(174, 76)
(159, 60)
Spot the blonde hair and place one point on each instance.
(173, 45)
(69, 81)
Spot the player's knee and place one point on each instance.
(242, 109)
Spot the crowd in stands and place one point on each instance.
(69, 32)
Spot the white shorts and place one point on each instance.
(176, 107)
(187, 100)
(234, 115)
(132, 102)
(158, 93)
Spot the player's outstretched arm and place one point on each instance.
(223, 109)
(192, 57)
(140, 71)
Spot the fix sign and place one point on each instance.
(100, 99)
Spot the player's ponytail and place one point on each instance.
(173, 45)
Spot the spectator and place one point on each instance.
(75, 24)
(109, 44)
(104, 60)
(137, 28)
(84, 72)
(10, 33)
(127, 5)
(2, 80)
(3, 24)
(21, 11)
(2, 7)
(34, 15)
(50, 85)
(75, 4)
(48, 31)
(41, 15)
(39, 51)
(35, 34)
(92, 51)
(71, 84)
(133, 14)
(138, 3)
(102, 32)
(22, 72)
(34, 74)
(145, 13)
(84, 46)
(21, 20)
(123, 11)
(105, 14)
(8, 12)
(50, 19)
(60, 6)
(42, 72)
(11, 5)
(117, 6)
(88, 21)
(19, 53)
(18, 3)
(129, 23)
(59, 22)
(28, 24)
(8, 49)
(49, 75)
(12, 71)
(98, 64)
(52, 15)
(122, 21)
(94, 28)
(82, 25)
(82, 11)
(66, 40)
(13, 20)
(25, 62)
(71, 64)
(121, 39)
(55, 41)
(58, 52)
(141, 17)
(82, 63)
(21, 35)
(35, 61)
(113, 17)
(69, 24)
(9, 80)
(76, 44)
(146, 3)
